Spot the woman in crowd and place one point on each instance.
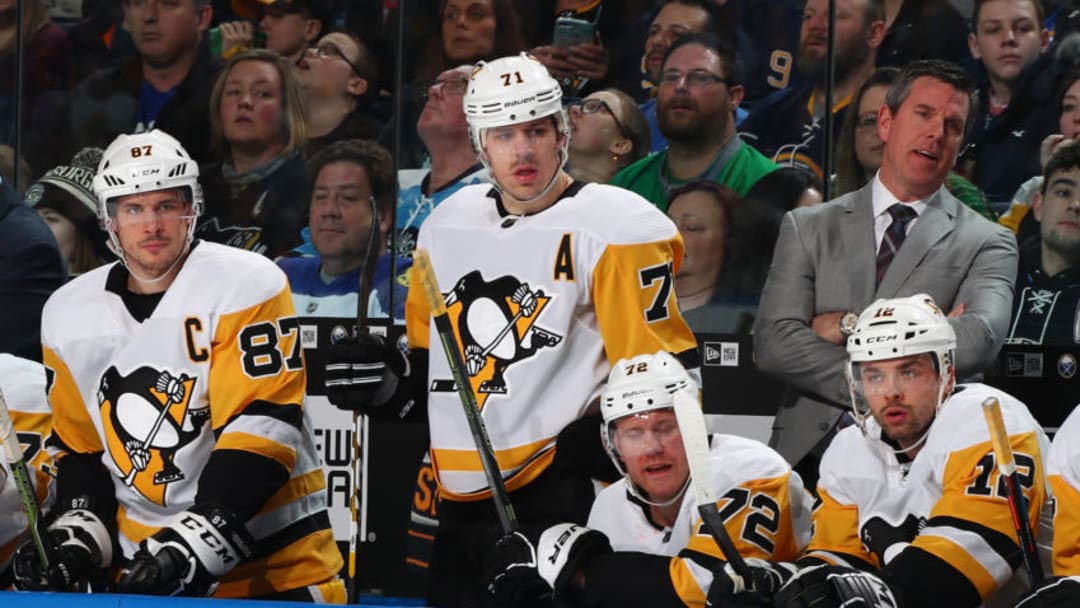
(703, 212)
(64, 198)
(859, 149)
(608, 132)
(256, 199)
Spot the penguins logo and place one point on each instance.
(148, 418)
(495, 322)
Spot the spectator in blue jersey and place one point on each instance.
(1016, 82)
(352, 177)
(699, 91)
(166, 85)
(788, 125)
(445, 134)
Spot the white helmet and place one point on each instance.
(900, 327)
(640, 385)
(144, 162)
(509, 91)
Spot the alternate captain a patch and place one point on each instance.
(148, 418)
(496, 324)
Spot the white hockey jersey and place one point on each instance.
(216, 366)
(765, 508)
(23, 384)
(542, 305)
(944, 513)
(1063, 469)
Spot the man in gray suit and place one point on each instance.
(900, 235)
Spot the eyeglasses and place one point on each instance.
(594, 105)
(694, 78)
(866, 121)
(453, 86)
(331, 50)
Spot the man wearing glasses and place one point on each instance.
(182, 452)
(787, 126)
(445, 134)
(699, 91)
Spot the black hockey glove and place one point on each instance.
(887, 541)
(510, 571)
(563, 553)
(1054, 592)
(363, 374)
(188, 556)
(730, 589)
(78, 547)
(833, 587)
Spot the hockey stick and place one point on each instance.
(14, 455)
(426, 274)
(999, 437)
(165, 385)
(360, 428)
(696, 443)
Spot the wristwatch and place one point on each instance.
(848, 323)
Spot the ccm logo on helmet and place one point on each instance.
(879, 339)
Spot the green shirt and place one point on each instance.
(744, 169)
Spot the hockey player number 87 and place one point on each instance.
(260, 345)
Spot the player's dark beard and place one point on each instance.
(848, 57)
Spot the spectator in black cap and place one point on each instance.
(291, 26)
(64, 198)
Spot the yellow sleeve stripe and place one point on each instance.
(617, 284)
(836, 529)
(519, 480)
(1066, 527)
(311, 560)
(509, 460)
(957, 556)
(280, 453)
(684, 583)
(71, 420)
(297, 487)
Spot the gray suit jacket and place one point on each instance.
(825, 262)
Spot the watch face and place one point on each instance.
(848, 323)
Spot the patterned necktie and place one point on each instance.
(894, 236)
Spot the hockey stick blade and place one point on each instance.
(696, 443)
(426, 275)
(999, 438)
(14, 456)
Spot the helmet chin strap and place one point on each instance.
(640, 495)
(564, 156)
(114, 245)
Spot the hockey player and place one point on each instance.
(23, 384)
(1063, 469)
(664, 553)
(912, 507)
(548, 283)
(176, 383)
